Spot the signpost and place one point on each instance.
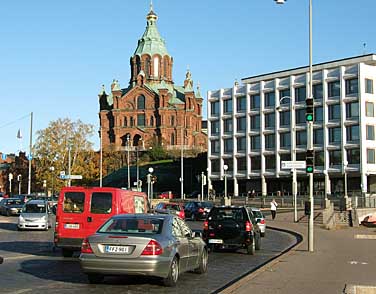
(70, 177)
(293, 166)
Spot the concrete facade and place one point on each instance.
(254, 126)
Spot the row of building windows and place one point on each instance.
(335, 159)
(334, 137)
(300, 96)
(334, 113)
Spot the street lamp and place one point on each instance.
(345, 164)
(129, 175)
(10, 177)
(19, 178)
(150, 187)
(137, 167)
(52, 169)
(225, 168)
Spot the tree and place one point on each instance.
(54, 145)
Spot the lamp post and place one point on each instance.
(100, 157)
(137, 167)
(309, 128)
(149, 183)
(52, 169)
(129, 175)
(19, 179)
(225, 168)
(293, 170)
(345, 164)
(10, 177)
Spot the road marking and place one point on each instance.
(369, 237)
(18, 257)
(357, 262)
(361, 289)
(21, 291)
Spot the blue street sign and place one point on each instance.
(3, 156)
(29, 157)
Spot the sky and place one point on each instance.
(55, 55)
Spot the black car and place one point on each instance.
(232, 227)
(195, 210)
(11, 206)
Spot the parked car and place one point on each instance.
(25, 197)
(143, 244)
(35, 215)
(168, 207)
(196, 210)
(260, 219)
(11, 206)
(232, 227)
(166, 195)
(81, 211)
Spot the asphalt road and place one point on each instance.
(32, 266)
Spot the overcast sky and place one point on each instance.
(55, 55)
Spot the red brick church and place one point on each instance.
(152, 109)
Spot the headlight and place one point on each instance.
(21, 219)
(43, 218)
(14, 209)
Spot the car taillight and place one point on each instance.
(262, 221)
(206, 225)
(248, 226)
(85, 247)
(182, 214)
(153, 248)
(200, 210)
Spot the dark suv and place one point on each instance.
(232, 227)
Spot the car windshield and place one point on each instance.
(132, 226)
(257, 213)
(226, 213)
(34, 208)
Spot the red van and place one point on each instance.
(81, 211)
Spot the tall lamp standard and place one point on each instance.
(225, 168)
(149, 183)
(10, 177)
(52, 169)
(309, 119)
(345, 164)
(293, 171)
(19, 179)
(137, 167)
(129, 175)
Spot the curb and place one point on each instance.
(235, 284)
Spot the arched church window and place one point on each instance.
(156, 66)
(141, 102)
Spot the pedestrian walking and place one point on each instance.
(273, 208)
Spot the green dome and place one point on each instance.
(151, 41)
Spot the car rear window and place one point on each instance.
(257, 213)
(14, 202)
(132, 226)
(101, 203)
(74, 202)
(217, 214)
(173, 207)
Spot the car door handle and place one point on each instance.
(89, 219)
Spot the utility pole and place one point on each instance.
(100, 157)
(129, 175)
(182, 164)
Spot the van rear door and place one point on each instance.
(102, 205)
(72, 220)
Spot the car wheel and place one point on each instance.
(173, 274)
(258, 243)
(67, 252)
(203, 266)
(95, 278)
(251, 248)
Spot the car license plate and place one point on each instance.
(215, 241)
(117, 249)
(72, 226)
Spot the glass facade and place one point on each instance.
(370, 109)
(228, 145)
(284, 118)
(352, 133)
(285, 140)
(352, 110)
(371, 156)
(334, 135)
(300, 94)
(334, 112)
(317, 91)
(255, 143)
(241, 104)
(240, 144)
(255, 163)
(270, 120)
(370, 132)
(255, 101)
(214, 108)
(334, 89)
(269, 99)
(227, 125)
(351, 86)
(255, 122)
(227, 106)
(335, 157)
(318, 137)
(300, 116)
(214, 127)
(240, 124)
(353, 156)
(214, 145)
(301, 137)
(319, 114)
(369, 86)
(270, 141)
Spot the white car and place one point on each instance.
(260, 218)
(35, 215)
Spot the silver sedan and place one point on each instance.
(143, 244)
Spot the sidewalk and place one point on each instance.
(343, 261)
